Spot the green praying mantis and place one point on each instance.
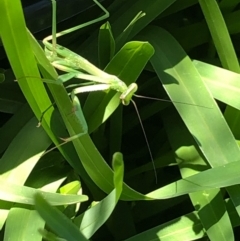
(78, 67)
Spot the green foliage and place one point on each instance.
(194, 141)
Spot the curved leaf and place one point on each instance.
(90, 221)
(223, 84)
(57, 221)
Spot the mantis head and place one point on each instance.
(126, 96)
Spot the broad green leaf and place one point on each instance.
(71, 188)
(127, 64)
(223, 84)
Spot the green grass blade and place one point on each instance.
(25, 195)
(57, 221)
(18, 228)
(218, 177)
(187, 227)
(106, 45)
(90, 221)
(24, 157)
(223, 84)
(20, 55)
(220, 35)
